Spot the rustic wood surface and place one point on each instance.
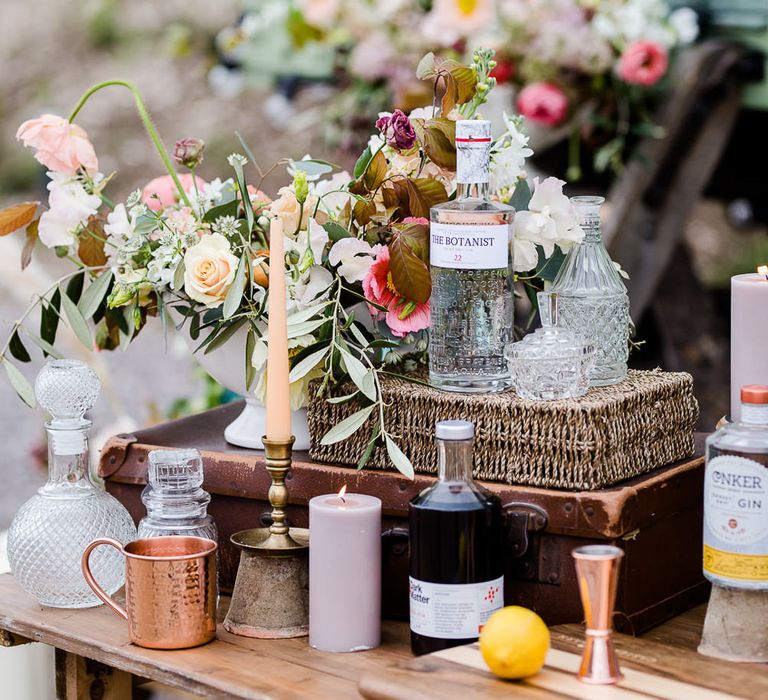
(235, 667)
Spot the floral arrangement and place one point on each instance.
(193, 253)
(592, 70)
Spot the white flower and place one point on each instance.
(237, 159)
(332, 192)
(685, 23)
(427, 112)
(312, 287)
(550, 221)
(354, 258)
(226, 226)
(69, 207)
(312, 241)
(119, 227)
(508, 157)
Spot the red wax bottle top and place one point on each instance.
(754, 393)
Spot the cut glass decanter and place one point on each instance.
(49, 533)
(593, 300)
(175, 500)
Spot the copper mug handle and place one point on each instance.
(97, 589)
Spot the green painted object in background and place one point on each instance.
(745, 21)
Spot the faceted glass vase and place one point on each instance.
(51, 530)
(592, 298)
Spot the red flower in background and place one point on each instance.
(643, 63)
(544, 103)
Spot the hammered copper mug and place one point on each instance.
(170, 590)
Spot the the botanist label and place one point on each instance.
(736, 519)
(469, 246)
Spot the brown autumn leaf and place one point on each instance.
(375, 172)
(15, 217)
(418, 196)
(417, 237)
(90, 247)
(364, 209)
(436, 140)
(29, 244)
(410, 274)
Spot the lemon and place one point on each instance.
(514, 642)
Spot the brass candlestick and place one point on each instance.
(597, 568)
(270, 599)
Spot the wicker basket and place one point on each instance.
(611, 434)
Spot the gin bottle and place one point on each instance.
(470, 254)
(457, 564)
(592, 298)
(736, 497)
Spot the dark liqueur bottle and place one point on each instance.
(457, 564)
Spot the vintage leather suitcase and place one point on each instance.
(656, 519)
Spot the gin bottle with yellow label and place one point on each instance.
(736, 497)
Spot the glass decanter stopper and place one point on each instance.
(175, 500)
(593, 300)
(552, 362)
(52, 529)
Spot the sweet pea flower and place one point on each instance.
(354, 258)
(161, 193)
(401, 319)
(189, 152)
(544, 103)
(550, 221)
(61, 146)
(397, 130)
(643, 63)
(69, 207)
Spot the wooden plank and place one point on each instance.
(78, 678)
(8, 639)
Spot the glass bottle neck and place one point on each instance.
(473, 190)
(454, 460)
(67, 473)
(755, 415)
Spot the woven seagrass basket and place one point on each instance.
(611, 434)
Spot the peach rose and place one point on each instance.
(293, 217)
(209, 269)
(160, 193)
(61, 146)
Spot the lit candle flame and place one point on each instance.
(763, 270)
(342, 491)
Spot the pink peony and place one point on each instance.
(544, 103)
(643, 63)
(378, 287)
(61, 146)
(162, 191)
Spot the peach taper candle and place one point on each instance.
(278, 393)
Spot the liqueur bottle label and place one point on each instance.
(453, 611)
(469, 246)
(736, 519)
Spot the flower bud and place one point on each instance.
(189, 152)
(300, 186)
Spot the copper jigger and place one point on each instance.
(597, 568)
(170, 590)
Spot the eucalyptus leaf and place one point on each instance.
(17, 348)
(401, 462)
(299, 329)
(306, 314)
(228, 209)
(313, 168)
(20, 384)
(359, 337)
(342, 399)
(75, 286)
(49, 318)
(223, 336)
(95, 294)
(178, 277)
(46, 347)
(306, 365)
(358, 373)
(250, 370)
(336, 231)
(235, 293)
(348, 426)
(76, 322)
(370, 447)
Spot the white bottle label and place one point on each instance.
(453, 611)
(469, 246)
(736, 519)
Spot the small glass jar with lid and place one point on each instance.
(552, 362)
(175, 500)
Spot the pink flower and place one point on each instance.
(162, 192)
(61, 146)
(397, 130)
(643, 63)
(402, 316)
(416, 220)
(544, 103)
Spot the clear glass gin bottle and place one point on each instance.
(457, 560)
(736, 497)
(593, 300)
(51, 530)
(472, 303)
(175, 500)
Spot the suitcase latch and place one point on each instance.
(530, 555)
(523, 518)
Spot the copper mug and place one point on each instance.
(170, 590)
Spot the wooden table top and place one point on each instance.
(236, 667)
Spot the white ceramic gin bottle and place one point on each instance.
(471, 306)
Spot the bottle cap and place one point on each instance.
(454, 430)
(754, 394)
(473, 148)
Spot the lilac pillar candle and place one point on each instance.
(344, 572)
(749, 334)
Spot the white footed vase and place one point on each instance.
(226, 364)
